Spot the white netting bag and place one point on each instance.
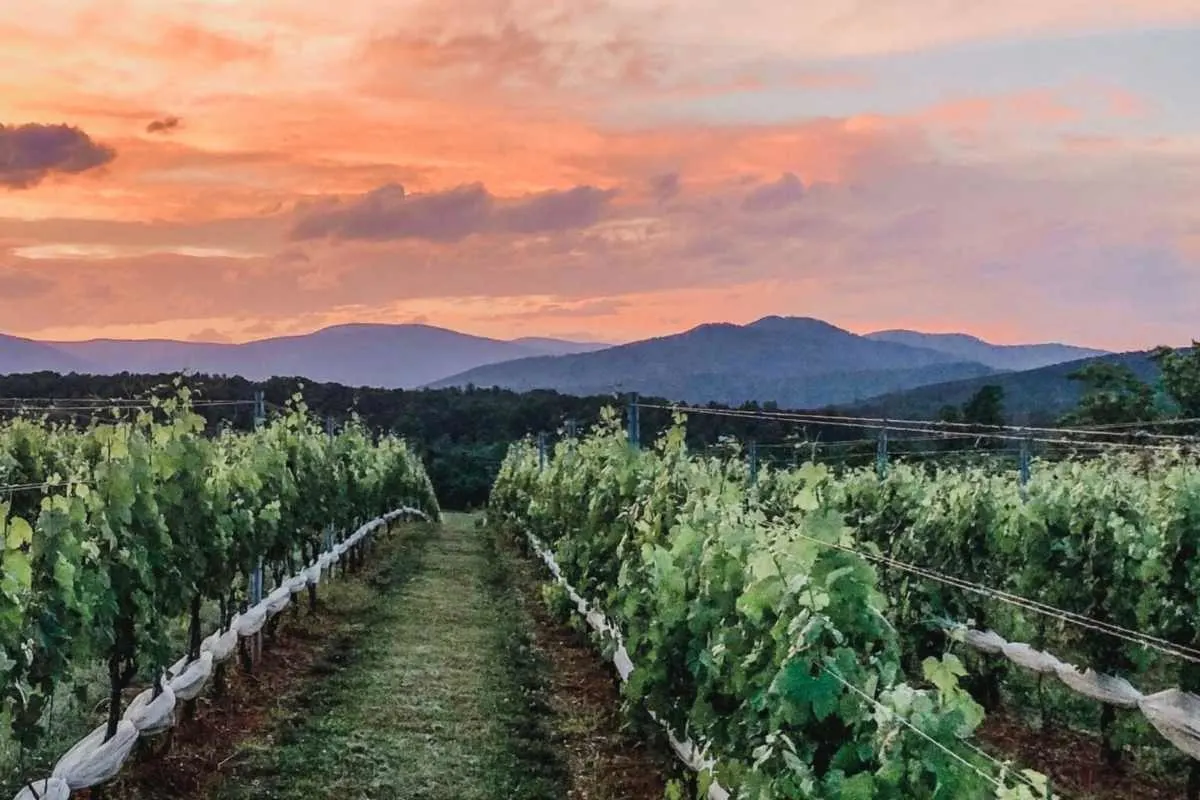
(45, 789)
(1024, 655)
(92, 760)
(1176, 715)
(1105, 688)
(152, 715)
(278, 600)
(985, 641)
(623, 663)
(297, 583)
(312, 575)
(221, 644)
(188, 684)
(252, 621)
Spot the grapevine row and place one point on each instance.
(770, 650)
(1109, 544)
(147, 523)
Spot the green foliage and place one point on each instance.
(986, 407)
(1113, 394)
(1181, 377)
(753, 628)
(142, 519)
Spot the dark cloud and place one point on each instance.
(390, 213)
(554, 211)
(664, 187)
(786, 191)
(164, 125)
(29, 153)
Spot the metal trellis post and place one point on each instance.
(635, 433)
(1024, 465)
(881, 452)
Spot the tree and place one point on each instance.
(1181, 377)
(986, 407)
(950, 413)
(1113, 395)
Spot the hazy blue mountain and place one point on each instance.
(997, 356)
(27, 355)
(558, 347)
(386, 356)
(1033, 396)
(794, 361)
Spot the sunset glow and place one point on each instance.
(620, 169)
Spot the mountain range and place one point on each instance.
(385, 356)
(797, 362)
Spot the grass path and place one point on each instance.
(431, 688)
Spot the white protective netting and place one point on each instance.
(985, 641)
(1176, 715)
(278, 600)
(221, 645)
(45, 789)
(1105, 688)
(152, 715)
(190, 681)
(251, 622)
(1023, 655)
(687, 750)
(93, 761)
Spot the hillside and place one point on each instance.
(387, 356)
(997, 356)
(1038, 395)
(795, 361)
(26, 355)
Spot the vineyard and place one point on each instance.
(822, 633)
(129, 540)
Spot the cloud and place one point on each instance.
(31, 152)
(786, 191)
(22, 284)
(579, 207)
(390, 213)
(207, 46)
(164, 125)
(664, 187)
(511, 46)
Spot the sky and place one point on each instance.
(605, 170)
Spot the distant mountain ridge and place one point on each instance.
(1034, 396)
(797, 362)
(384, 356)
(997, 356)
(27, 355)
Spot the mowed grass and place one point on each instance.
(430, 688)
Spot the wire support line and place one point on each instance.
(105, 403)
(1156, 423)
(1117, 631)
(892, 427)
(878, 706)
(29, 487)
(925, 426)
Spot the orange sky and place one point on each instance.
(233, 170)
